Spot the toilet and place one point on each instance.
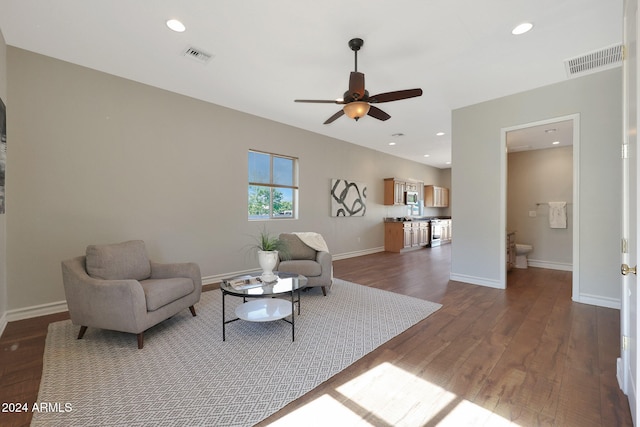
(521, 255)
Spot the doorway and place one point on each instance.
(540, 160)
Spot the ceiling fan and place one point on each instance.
(356, 100)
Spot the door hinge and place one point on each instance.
(625, 246)
(625, 151)
(625, 343)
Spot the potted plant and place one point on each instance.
(268, 247)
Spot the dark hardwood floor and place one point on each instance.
(524, 356)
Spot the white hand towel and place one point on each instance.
(558, 214)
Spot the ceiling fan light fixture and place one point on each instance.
(356, 110)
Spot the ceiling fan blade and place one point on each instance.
(395, 96)
(356, 85)
(335, 116)
(321, 101)
(378, 113)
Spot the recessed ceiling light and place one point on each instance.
(439, 133)
(392, 143)
(522, 28)
(448, 163)
(556, 142)
(426, 155)
(176, 25)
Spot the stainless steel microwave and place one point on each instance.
(411, 198)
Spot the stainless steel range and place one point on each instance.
(436, 233)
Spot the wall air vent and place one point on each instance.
(198, 55)
(592, 62)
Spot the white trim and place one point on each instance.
(61, 306)
(36, 311)
(575, 118)
(551, 265)
(217, 278)
(473, 280)
(3, 323)
(354, 254)
(599, 301)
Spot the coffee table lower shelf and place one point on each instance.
(260, 303)
(264, 310)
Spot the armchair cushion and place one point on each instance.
(126, 260)
(160, 292)
(296, 249)
(305, 267)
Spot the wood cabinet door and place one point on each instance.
(408, 236)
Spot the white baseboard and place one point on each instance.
(354, 254)
(3, 323)
(217, 278)
(551, 265)
(36, 311)
(61, 306)
(476, 280)
(620, 375)
(599, 301)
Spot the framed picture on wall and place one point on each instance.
(348, 198)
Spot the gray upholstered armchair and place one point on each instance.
(117, 287)
(300, 258)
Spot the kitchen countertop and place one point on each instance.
(414, 218)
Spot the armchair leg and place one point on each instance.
(324, 290)
(193, 311)
(140, 340)
(83, 329)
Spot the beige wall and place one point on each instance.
(477, 153)
(96, 159)
(541, 176)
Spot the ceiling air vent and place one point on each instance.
(198, 55)
(592, 62)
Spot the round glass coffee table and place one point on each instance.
(263, 306)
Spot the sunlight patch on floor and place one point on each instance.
(323, 411)
(389, 396)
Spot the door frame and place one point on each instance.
(627, 363)
(575, 118)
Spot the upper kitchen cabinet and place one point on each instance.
(436, 197)
(395, 188)
(394, 191)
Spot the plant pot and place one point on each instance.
(268, 261)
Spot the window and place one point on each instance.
(273, 186)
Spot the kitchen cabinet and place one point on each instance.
(408, 235)
(445, 236)
(410, 186)
(423, 233)
(394, 189)
(436, 197)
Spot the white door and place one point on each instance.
(628, 362)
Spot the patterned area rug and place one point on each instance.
(186, 374)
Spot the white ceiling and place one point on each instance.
(268, 53)
(541, 137)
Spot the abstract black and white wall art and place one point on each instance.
(348, 198)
